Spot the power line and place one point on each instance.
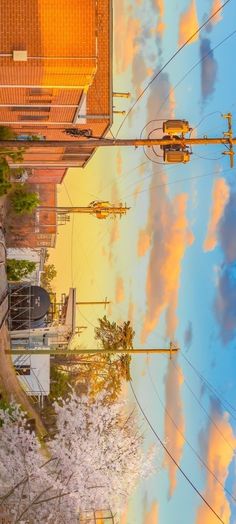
(173, 459)
(211, 387)
(204, 410)
(170, 60)
(186, 440)
(192, 68)
(186, 179)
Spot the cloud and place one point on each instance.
(174, 438)
(209, 68)
(119, 163)
(220, 197)
(144, 241)
(120, 295)
(127, 47)
(151, 516)
(216, 4)
(225, 302)
(114, 233)
(188, 336)
(227, 228)
(188, 24)
(219, 455)
(169, 228)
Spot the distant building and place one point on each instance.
(38, 229)
(36, 255)
(35, 323)
(55, 74)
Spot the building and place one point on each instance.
(55, 74)
(35, 323)
(38, 229)
(36, 255)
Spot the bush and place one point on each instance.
(19, 269)
(23, 201)
(6, 133)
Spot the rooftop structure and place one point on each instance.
(55, 74)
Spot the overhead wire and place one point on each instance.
(211, 388)
(194, 66)
(204, 409)
(173, 459)
(170, 60)
(186, 440)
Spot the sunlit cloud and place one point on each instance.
(188, 24)
(119, 163)
(219, 455)
(171, 235)
(216, 4)
(173, 437)
(115, 233)
(128, 25)
(119, 292)
(220, 197)
(144, 241)
(151, 515)
(188, 336)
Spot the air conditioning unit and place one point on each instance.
(173, 127)
(176, 157)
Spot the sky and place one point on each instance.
(169, 265)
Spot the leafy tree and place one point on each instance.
(23, 201)
(102, 372)
(19, 269)
(94, 461)
(49, 273)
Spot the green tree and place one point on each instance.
(19, 269)
(49, 273)
(102, 372)
(23, 200)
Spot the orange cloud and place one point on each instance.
(119, 162)
(126, 48)
(220, 197)
(188, 24)
(171, 235)
(144, 241)
(174, 438)
(216, 4)
(220, 453)
(120, 295)
(115, 232)
(151, 516)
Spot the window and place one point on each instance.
(33, 117)
(29, 108)
(40, 91)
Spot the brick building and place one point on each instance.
(55, 73)
(38, 229)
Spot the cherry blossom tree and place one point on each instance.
(94, 461)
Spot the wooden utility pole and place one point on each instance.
(171, 141)
(99, 209)
(93, 351)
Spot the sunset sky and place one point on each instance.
(169, 265)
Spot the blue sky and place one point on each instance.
(170, 264)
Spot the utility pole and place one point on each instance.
(53, 352)
(174, 143)
(100, 210)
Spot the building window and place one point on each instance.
(40, 91)
(31, 108)
(33, 117)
